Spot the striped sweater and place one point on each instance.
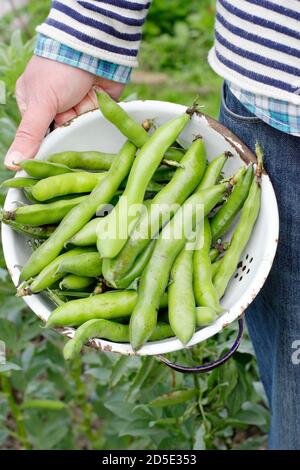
(106, 29)
(257, 42)
(257, 46)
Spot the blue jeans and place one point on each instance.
(273, 319)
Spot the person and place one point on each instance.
(84, 43)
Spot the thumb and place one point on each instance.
(31, 131)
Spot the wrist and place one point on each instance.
(54, 50)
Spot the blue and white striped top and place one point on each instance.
(257, 46)
(105, 29)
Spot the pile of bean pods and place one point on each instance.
(134, 275)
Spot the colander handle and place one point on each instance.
(211, 365)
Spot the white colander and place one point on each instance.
(92, 132)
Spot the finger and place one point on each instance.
(88, 103)
(64, 117)
(30, 133)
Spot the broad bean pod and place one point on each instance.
(85, 264)
(93, 160)
(109, 330)
(110, 305)
(42, 214)
(222, 220)
(43, 169)
(114, 113)
(39, 232)
(139, 265)
(19, 182)
(182, 306)
(73, 282)
(85, 160)
(213, 171)
(205, 316)
(69, 183)
(205, 292)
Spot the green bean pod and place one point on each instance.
(109, 330)
(69, 183)
(182, 313)
(137, 269)
(111, 242)
(239, 239)
(41, 214)
(225, 215)
(205, 316)
(49, 275)
(87, 235)
(19, 182)
(213, 171)
(205, 292)
(41, 169)
(110, 305)
(73, 282)
(81, 214)
(39, 232)
(93, 160)
(113, 112)
(85, 264)
(171, 241)
(85, 160)
(161, 210)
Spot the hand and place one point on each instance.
(47, 91)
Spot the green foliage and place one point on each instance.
(101, 400)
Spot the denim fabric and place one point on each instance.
(273, 319)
